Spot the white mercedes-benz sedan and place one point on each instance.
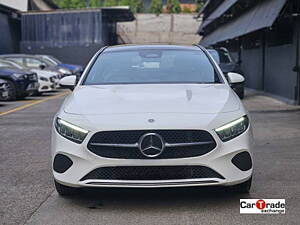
(151, 116)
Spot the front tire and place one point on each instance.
(12, 91)
(37, 93)
(64, 190)
(243, 187)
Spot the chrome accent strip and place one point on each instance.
(153, 184)
(135, 145)
(187, 144)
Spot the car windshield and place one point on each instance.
(152, 66)
(5, 64)
(15, 65)
(51, 60)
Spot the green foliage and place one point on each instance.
(156, 7)
(70, 4)
(173, 6)
(200, 4)
(186, 10)
(136, 6)
(108, 3)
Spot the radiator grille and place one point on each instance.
(168, 136)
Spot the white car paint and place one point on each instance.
(98, 108)
(46, 85)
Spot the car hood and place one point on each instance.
(10, 71)
(151, 98)
(71, 67)
(46, 73)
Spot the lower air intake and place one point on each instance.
(152, 173)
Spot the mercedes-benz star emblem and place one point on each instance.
(151, 145)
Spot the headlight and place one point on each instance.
(64, 71)
(43, 78)
(233, 129)
(70, 131)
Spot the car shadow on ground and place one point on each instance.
(95, 198)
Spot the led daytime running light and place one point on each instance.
(231, 124)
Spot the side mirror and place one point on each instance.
(68, 82)
(42, 66)
(235, 78)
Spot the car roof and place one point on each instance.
(131, 47)
(17, 55)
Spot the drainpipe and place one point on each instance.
(297, 66)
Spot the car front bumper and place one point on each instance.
(45, 86)
(219, 160)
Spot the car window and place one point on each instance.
(4, 64)
(152, 66)
(17, 60)
(33, 63)
(15, 65)
(53, 59)
(49, 62)
(215, 55)
(224, 56)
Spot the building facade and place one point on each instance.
(263, 36)
(72, 36)
(10, 21)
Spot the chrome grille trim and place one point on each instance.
(135, 145)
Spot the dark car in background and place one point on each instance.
(3, 89)
(228, 64)
(20, 83)
(52, 61)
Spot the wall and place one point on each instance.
(10, 34)
(72, 37)
(252, 65)
(272, 73)
(279, 76)
(165, 28)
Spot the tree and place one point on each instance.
(136, 6)
(173, 6)
(70, 4)
(156, 6)
(109, 3)
(200, 4)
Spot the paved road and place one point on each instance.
(28, 196)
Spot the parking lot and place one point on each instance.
(28, 196)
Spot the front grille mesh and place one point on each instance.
(32, 76)
(169, 136)
(152, 173)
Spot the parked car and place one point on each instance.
(21, 83)
(34, 62)
(228, 64)
(3, 89)
(63, 67)
(48, 80)
(152, 116)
